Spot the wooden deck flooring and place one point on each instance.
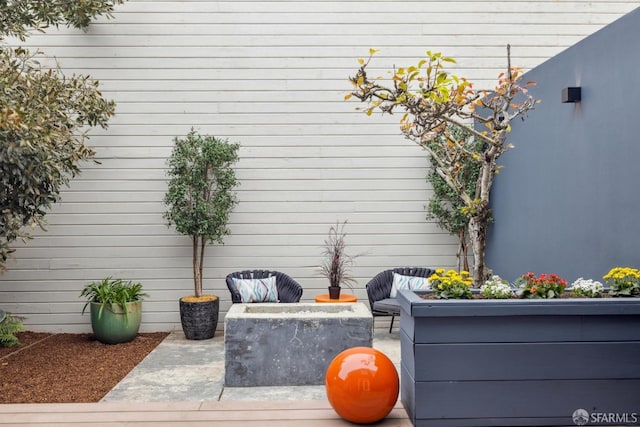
(306, 413)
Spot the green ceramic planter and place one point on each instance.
(113, 327)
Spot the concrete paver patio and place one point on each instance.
(184, 370)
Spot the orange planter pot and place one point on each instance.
(343, 298)
(362, 385)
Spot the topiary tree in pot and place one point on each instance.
(200, 198)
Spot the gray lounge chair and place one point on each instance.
(379, 291)
(288, 289)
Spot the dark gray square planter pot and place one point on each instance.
(519, 362)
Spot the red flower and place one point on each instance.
(546, 285)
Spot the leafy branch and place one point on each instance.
(433, 101)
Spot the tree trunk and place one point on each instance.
(478, 234)
(464, 250)
(203, 245)
(479, 220)
(197, 278)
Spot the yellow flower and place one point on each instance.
(451, 284)
(623, 281)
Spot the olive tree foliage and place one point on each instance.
(200, 195)
(20, 17)
(44, 116)
(445, 206)
(432, 99)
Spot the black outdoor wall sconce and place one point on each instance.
(571, 94)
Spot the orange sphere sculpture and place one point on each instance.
(362, 385)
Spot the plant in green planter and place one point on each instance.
(544, 286)
(451, 284)
(586, 288)
(496, 288)
(116, 309)
(200, 198)
(623, 281)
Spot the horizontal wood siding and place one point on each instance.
(270, 75)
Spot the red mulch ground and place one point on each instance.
(64, 368)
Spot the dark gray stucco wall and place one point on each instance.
(568, 198)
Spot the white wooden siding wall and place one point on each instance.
(272, 77)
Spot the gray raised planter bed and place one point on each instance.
(290, 344)
(519, 362)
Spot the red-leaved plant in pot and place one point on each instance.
(337, 263)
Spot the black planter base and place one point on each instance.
(199, 319)
(334, 292)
